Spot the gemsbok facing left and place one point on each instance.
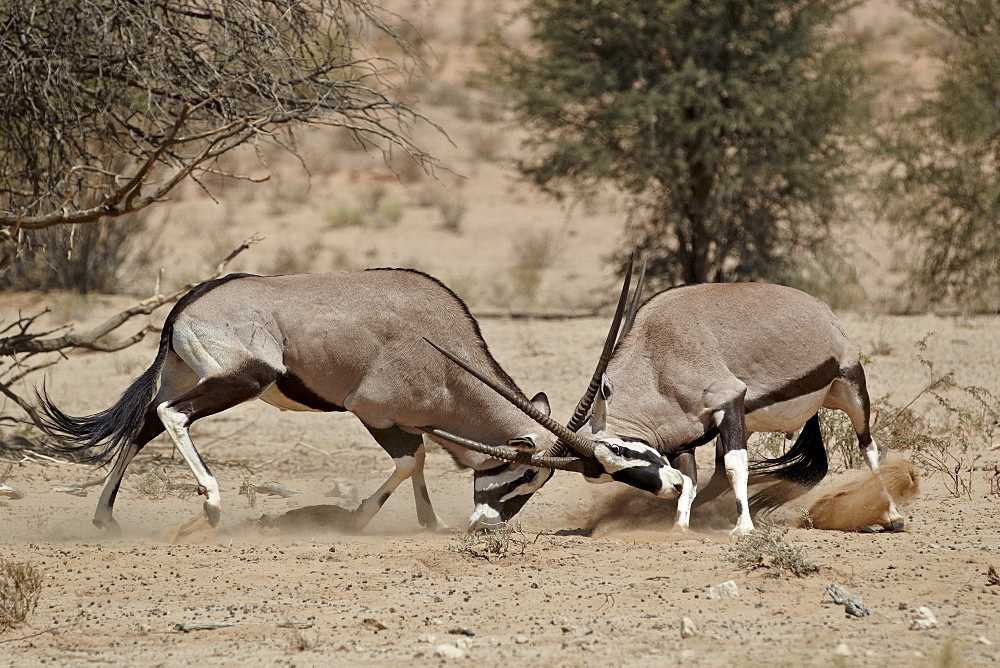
(723, 360)
(348, 341)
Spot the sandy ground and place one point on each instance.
(562, 594)
(577, 586)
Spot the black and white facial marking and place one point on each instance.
(500, 492)
(635, 463)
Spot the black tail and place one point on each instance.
(111, 429)
(795, 472)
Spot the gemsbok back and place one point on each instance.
(723, 360)
(349, 341)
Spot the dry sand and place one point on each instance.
(579, 585)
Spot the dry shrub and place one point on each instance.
(861, 502)
(101, 257)
(153, 486)
(502, 541)
(20, 588)
(452, 207)
(534, 251)
(767, 548)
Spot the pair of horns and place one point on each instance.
(566, 435)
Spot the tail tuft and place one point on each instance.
(792, 474)
(111, 429)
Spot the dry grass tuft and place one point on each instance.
(20, 588)
(767, 548)
(505, 540)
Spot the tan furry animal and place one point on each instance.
(859, 503)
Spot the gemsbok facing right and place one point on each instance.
(725, 360)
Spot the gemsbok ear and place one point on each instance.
(607, 390)
(541, 402)
(522, 444)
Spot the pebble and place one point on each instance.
(688, 629)
(449, 652)
(842, 650)
(923, 619)
(522, 639)
(724, 590)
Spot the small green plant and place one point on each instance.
(248, 489)
(293, 260)
(452, 207)
(390, 211)
(534, 252)
(961, 429)
(345, 215)
(767, 548)
(501, 541)
(20, 588)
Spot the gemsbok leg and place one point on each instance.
(407, 452)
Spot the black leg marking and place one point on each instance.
(396, 442)
(685, 463)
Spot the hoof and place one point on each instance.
(213, 515)
(202, 490)
(866, 530)
(109, 525)
(895, 526)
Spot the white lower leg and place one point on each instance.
(892, 516)
(737, 465)
(405, 467)
(176, 424)
(103, 515)
(684, 503)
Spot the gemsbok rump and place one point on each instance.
(349, 341)
(724, 360)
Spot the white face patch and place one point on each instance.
(670, 478)
(483, 517)
(617, 455)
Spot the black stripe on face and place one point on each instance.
(295, 389)
(813, 381)
(493, 497)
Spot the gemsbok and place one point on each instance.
(720, 360)
(348, 341)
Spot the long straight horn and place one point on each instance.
(574, 464)
(580, 414)
(614, 336)
(582, 445)
(634, 304)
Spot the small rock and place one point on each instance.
(851, 602)
(427, 638)
(842, 650)
(373, 624)
(449, 652)
(462, 631)
(903, 605)
(522, 639)
(923, 619)
(983, 640)
(688, 629)
(344, 489)
(724, 590)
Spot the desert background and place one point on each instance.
(592, 575)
